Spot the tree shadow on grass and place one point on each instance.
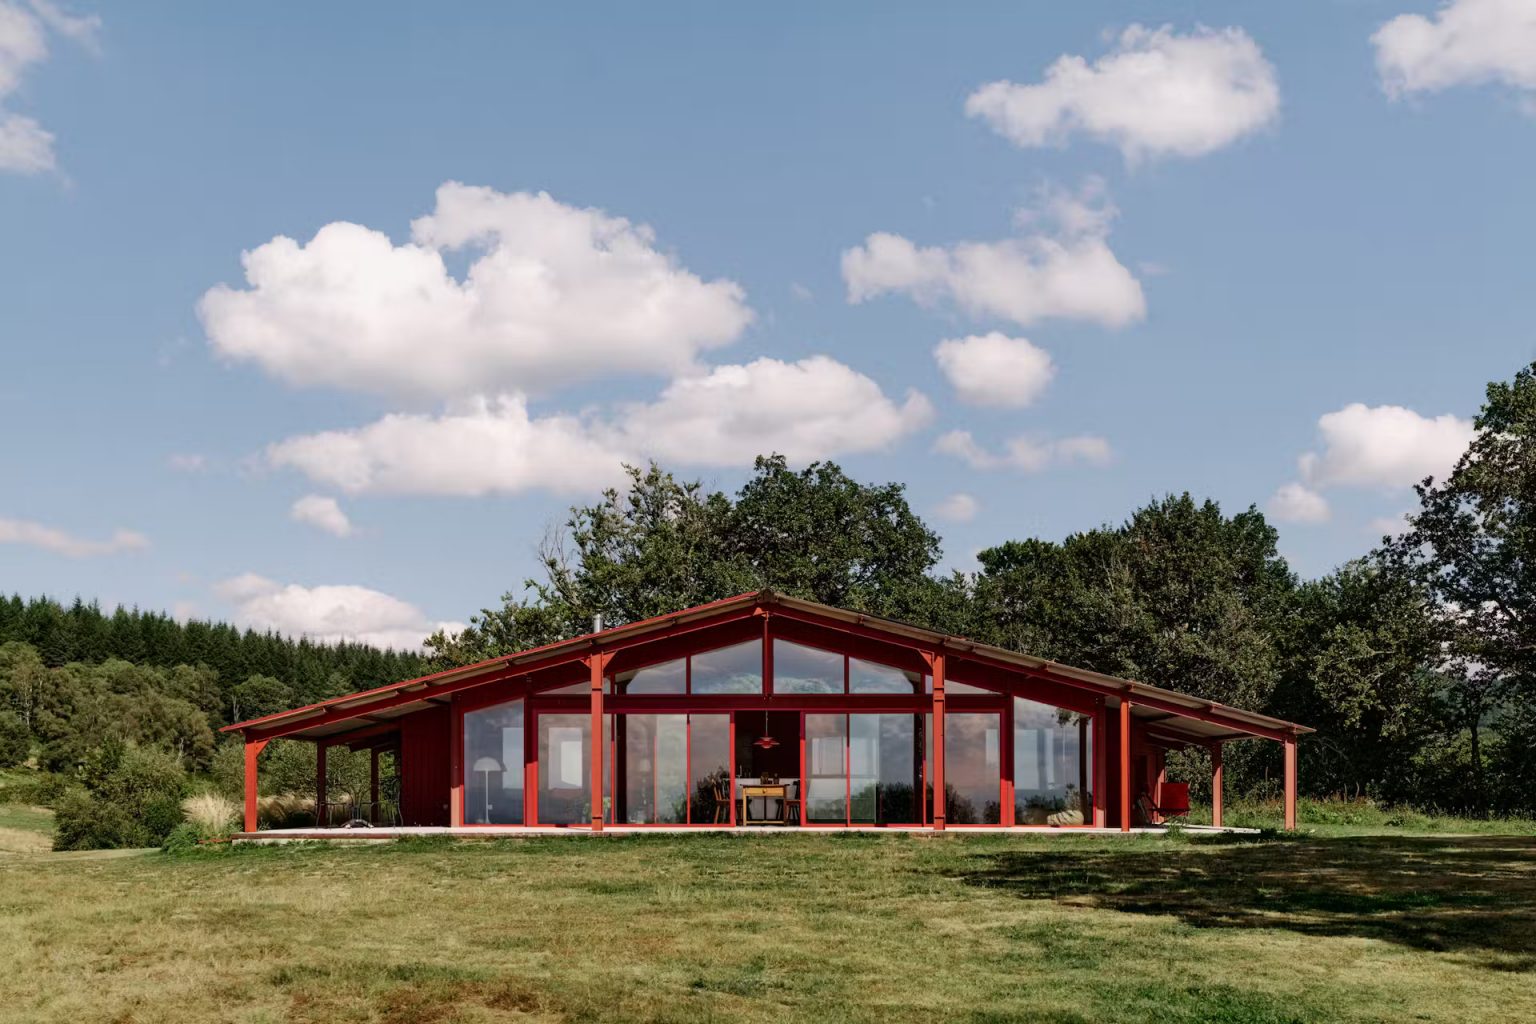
(1472, 896)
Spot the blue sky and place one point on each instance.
(1248, 233)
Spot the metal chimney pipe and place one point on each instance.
(597, 623)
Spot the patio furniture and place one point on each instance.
(722, 802)
(765, 793)
(790, 805)
(1174, 803)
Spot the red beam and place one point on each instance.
(596, 664)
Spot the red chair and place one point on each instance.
(1173, 802)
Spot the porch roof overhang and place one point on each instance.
(1173, 715)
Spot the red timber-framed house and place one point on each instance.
(762, 709)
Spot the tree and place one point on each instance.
(1472, 543)
(661, 545)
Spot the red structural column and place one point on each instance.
(938, 740)
(456, 764)
(596, 663)
(1125, 764)
(373, 786)
(1216, 784)
(1100, 764)
(322, 813)
(1290, 783)
(253, 750)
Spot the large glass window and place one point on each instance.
(709, 769)
(826, 768)
(652, 767)
(668, 677)
(737, 669)
(884, 768)
(801, 669)
(565, 769)
(872, 677)
(493, 765)
(1052, 765)
(972, 768)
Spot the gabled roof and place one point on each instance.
(1199, 719)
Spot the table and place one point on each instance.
(777, 791)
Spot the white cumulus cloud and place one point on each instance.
(1384, 446)
(1026, 454)
(322, 513)
(1298, 503)
(958, 508)
(1156, 93)
(1465, 42)
(553, 294)
(1068, 273)
(60, 542)
(26, 147)
(994, 369)
(329, 613)
(810, 409)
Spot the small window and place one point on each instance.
(872, 677)
(668, 677)
(799, 669)
(737, 669)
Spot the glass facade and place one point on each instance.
(801, 669)
(652, 763)
(872, 677)
(493, 765)
(972, 768)
(565, 769)
(1052, 765)
(675, 765)
(729, 670)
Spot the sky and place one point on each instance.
(320, 317)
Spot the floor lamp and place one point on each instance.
(485, 766)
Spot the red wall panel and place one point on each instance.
(425, 767)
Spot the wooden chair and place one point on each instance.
(722, 798)
(790, 805)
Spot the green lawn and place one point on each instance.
(25, 829)
(781, 928)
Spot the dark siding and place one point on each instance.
(424, 767)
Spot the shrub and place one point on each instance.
(15, 740)
(212, 813)
(132, 798)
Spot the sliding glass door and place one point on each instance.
(864, 768)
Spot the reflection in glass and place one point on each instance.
(884, 768)
(972, 768)
(493, 764)
(668, 677)
(1052, 764)
(826, 767)
(737, 669)
(653, 755)
(709, 769)
(800, 669)
(565, 769)
(872, 677)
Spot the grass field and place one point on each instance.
(781, 928)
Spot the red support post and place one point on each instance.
(596, 663)
(938, 740)
(456, 764)
(1216, 785)
(253, 750)
(322, 812)
(1125, 764)
(1290, 783)
(373, 785)
(1100, 765)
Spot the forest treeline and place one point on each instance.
(1415, 662)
